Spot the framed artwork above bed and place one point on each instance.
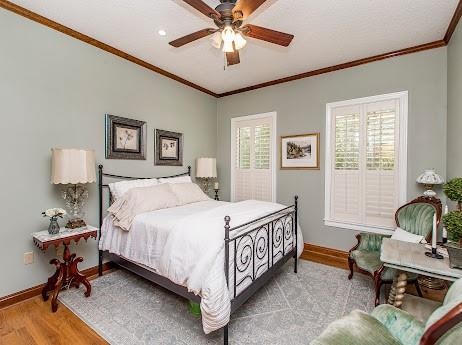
(125, 138)
(168, 148)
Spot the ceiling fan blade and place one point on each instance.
(233, 58)
(204, 8)
(267, 35)
(191, 37)
(247, 7)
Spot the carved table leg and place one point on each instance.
(51, 284)
(78, 277)
(398, 289)
(59, 285)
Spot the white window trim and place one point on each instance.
(403, 119)
(273, 116)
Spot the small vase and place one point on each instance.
(53, 228)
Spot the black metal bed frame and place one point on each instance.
(259, 248)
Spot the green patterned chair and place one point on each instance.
(387, 325)
(415, 217)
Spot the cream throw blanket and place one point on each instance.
(141, 200)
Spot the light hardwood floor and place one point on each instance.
(32, 322)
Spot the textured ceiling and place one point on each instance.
(327, 32)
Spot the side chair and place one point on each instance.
(415, 217)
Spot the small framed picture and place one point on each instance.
(300, 151)
(125, 138)
(168, 148)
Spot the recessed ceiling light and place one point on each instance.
(162, 32)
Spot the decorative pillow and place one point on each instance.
(188, 193)
(118, 189)
(141, 200)
(179, 179)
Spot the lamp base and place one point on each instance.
(75, 223)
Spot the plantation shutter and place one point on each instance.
(253, 160)
(364, 176)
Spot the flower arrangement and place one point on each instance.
(54, 213)
(453, 219)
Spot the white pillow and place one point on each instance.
(188, 193)
(118, 189)
(141, 200)
(402, 235)
(179, 179)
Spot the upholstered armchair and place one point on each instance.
(387, 325)
(415, 217)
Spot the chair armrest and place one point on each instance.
(370, 242)
(356, 328)
(402, 325)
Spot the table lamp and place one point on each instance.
(73, 168)
(206, 171)
(429, 178)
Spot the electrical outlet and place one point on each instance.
(28, 258)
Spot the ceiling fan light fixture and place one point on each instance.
(239, 41)
(216, 40)
(228, 34)
(228, 47)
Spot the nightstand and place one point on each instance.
(67, 273)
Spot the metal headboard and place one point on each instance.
(101, 185)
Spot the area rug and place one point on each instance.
(291, 309)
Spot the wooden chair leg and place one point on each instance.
(378, 286)
(417, 287)
(350, 265)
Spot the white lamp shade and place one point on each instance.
(430, 177)
(206, 167)
(72, 166)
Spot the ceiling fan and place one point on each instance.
(228, 17)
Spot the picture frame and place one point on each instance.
(300, 152)
(125, 138)
(168, 148)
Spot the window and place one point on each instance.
(366, 162)
(253, 151)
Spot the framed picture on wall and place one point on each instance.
(125, 138)
(168, 148)
(300, 151)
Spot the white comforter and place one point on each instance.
(186, 245)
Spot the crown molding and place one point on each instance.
(453, 24)
(426, 46)
(7, 5)
(87, 39)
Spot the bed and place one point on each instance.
(210, 252)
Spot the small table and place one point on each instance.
(67, 273)
(410, 257)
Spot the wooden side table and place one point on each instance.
(67, 274)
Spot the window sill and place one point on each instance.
(359, 227)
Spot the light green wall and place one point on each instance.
(301, 108)
(54, 92)
(455, 104)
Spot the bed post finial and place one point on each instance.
(189, 170)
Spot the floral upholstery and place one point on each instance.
(388, 325)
